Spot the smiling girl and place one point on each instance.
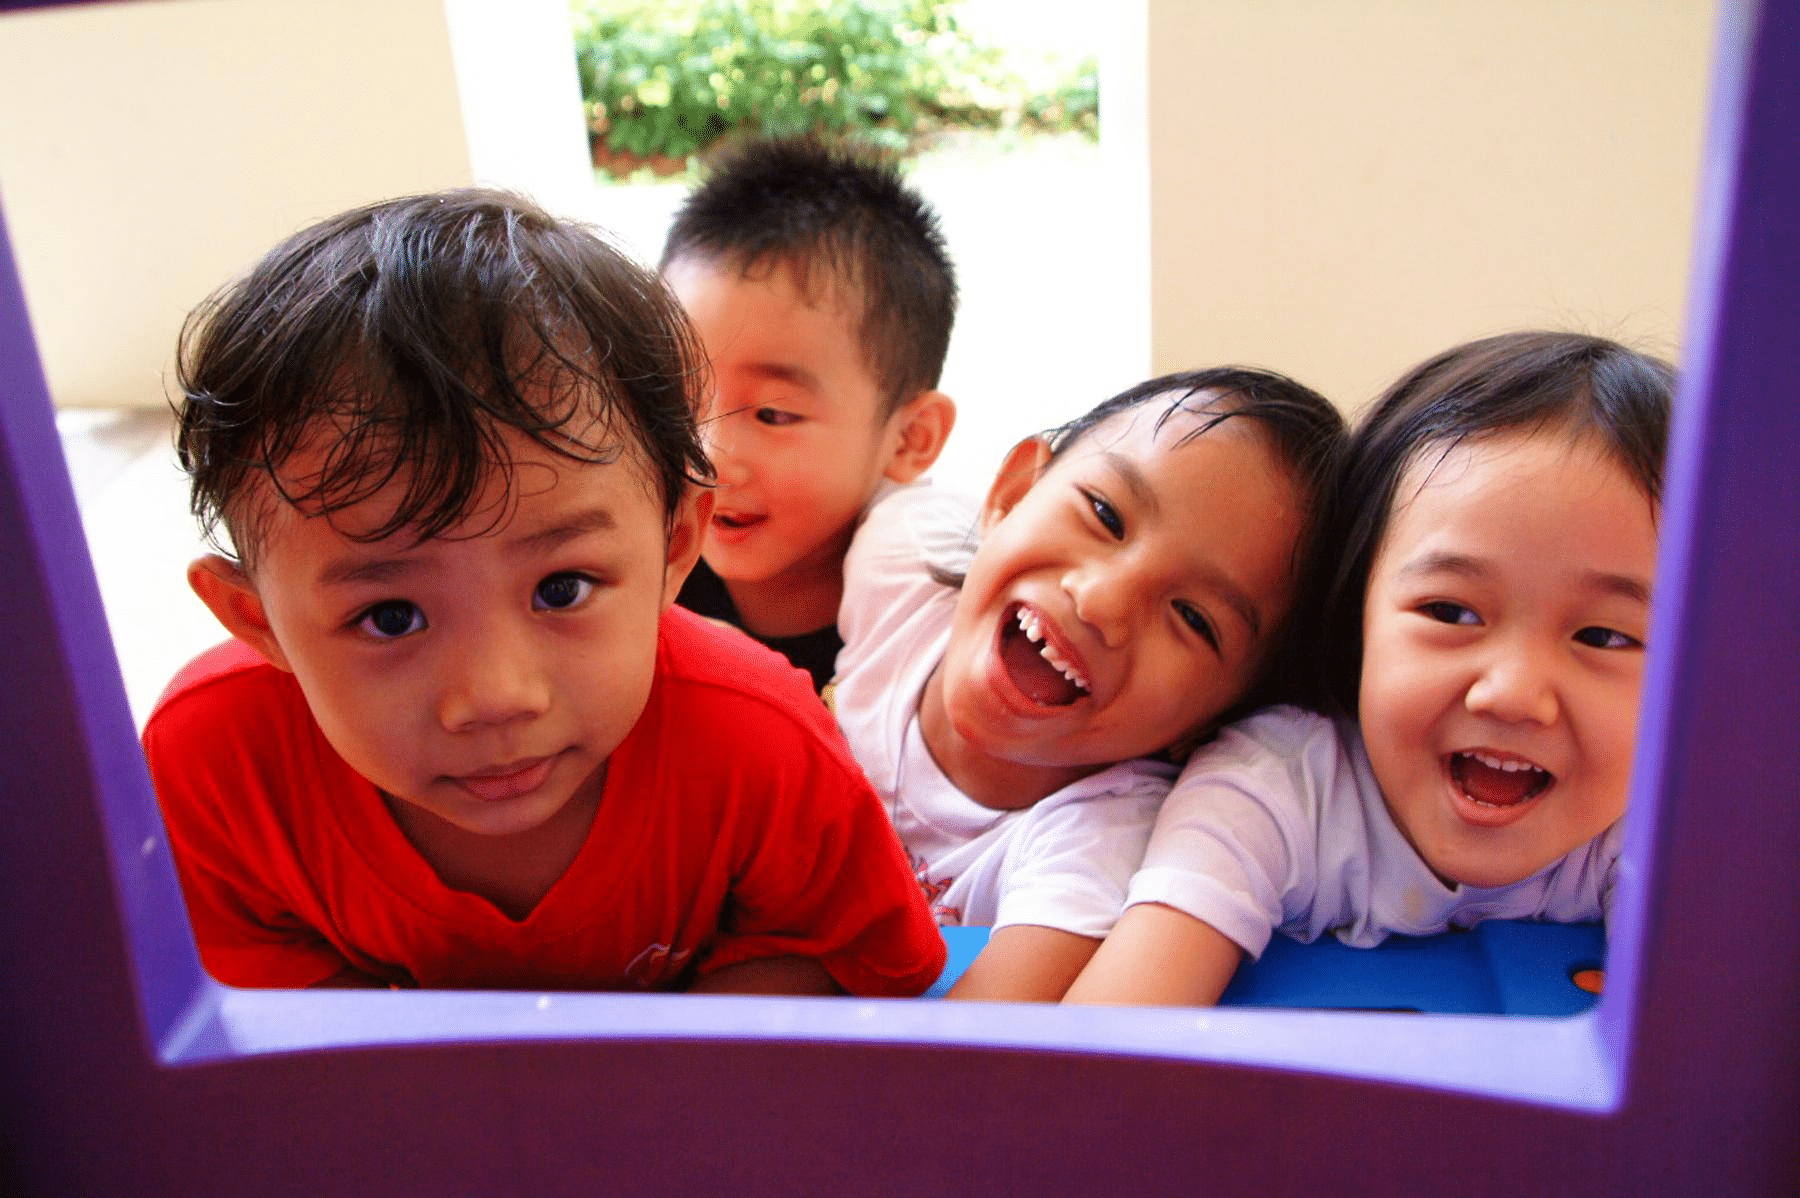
(1010, 699)
(1486, 629)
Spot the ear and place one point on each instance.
(923, 424)
(687, 531)
(228, 592)
(1023, 466)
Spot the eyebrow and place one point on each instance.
(1607, 583)
(1132, 475)
(597, 519)
(350, 570)
(783, 372)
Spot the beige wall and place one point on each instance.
(1333, 189)
(1339, 189)
(149, 151)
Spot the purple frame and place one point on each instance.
(128, 1071)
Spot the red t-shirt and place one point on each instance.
(733, 825)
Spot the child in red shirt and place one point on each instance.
(461, 738)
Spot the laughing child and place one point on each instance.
(461, 738)
(1488, 618)
(822, 291)
(1133, 578)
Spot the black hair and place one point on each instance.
(842, 209)
(1572, 383)
(417, 330)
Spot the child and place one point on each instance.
(1487, 620)
(1134, 574)
(461, 739)
(821, 288)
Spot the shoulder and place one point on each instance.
(719, 685)
(1135, 783)
(1286, 748)
(919, 523)
(228, 685)
(895, 588)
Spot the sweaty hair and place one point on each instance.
(834, 214)
(1571, 385)
(414, 332)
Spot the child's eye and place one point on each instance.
(392, 618)
(560, 591)
(1196, 620)
(1445, 612)
(776, 416)
(1607, 638)
(1106, 514)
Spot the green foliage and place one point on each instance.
(669, 77)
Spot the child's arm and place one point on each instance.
(1158, 956)
(770, 975)
(1023, 963)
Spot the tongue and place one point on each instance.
(1041, 681)
(1498, 788)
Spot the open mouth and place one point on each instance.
(1490, 780)
(1042, 672)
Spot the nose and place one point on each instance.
(1517, 686)
(1102, 595)
(498, 679)
(721, 439)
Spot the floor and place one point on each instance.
(1041, 335)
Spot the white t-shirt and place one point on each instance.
(1278, 825)
(1063, 862)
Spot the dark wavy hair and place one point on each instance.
(840, 208)
(416, 331)
(1573, 384)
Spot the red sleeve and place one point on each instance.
(216, 805)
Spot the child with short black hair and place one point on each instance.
(820, 285)
(1485, 631)
(461, 738)
(1014, 680)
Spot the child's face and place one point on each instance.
(486, 675)
(1123, 597)
(1503, 652)
(794, 426)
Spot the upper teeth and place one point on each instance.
(1507, 765)
(1034, 632)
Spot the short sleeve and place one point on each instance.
(1232, 846)
(1072, 866)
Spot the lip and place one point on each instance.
(508, 781)
(730, 528)
(1481, 815)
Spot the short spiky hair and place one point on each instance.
(840, 208)
(417, 330)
